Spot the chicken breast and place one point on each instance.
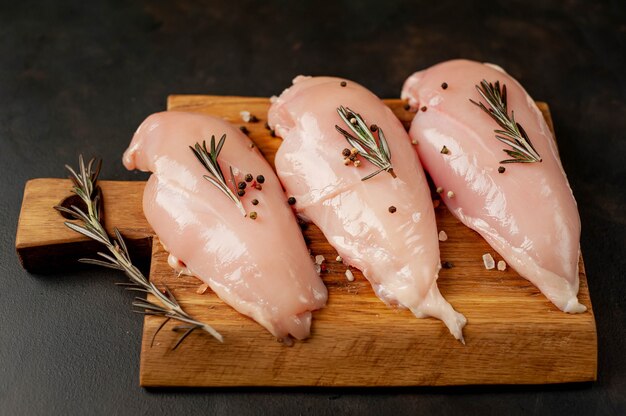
(260, 267)
(527, 213)
(384, 226)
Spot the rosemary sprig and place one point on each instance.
(85, 186)
(512, 132)
(216, 177)
(365, 143)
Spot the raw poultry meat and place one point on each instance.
(384, 226)
(525, 211)
(260, 267)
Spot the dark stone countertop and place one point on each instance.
(80, 76)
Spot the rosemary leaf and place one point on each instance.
(371, 175)
(67, 211)
(185, 335)
(158, 330)
(101, 263)
(84, 231)
(384, 148)
(121, 241)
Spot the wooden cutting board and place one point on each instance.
(514, 334)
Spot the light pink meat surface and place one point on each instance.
(398, 253)
(528, 213)
(259, 267)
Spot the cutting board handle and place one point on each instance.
(45, 244)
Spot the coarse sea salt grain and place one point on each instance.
(443, 236)
(245, 116)
(319, 259)
(201, 290)
(339, 259)
(502, 265)
(488, 261)
(349, 275)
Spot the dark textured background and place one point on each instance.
(79, 77)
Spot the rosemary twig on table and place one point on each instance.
(85, 186)
(365, 143)
(512, 132)
(216, 177)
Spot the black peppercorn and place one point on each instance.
(249, 178)
(373, 127)
(392, 209)
(444, 85)
(345, 152)
(255, 202)
(241, 185)
(260, 179)
(501, 169)
(291, 200)
(241, 192)
(343, 83)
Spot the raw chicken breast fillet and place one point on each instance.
(397, 252)
(259, 267)
(527, 213)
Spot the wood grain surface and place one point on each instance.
(514, 334)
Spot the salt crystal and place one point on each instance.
(349, 275)
(318, 268)
(443, 236)
(286, 341)
(339, 259)
(245, 116)
(436, 99)
(202, 289)
(488, 261)
(273, 99)
(502, 265)
(319, 259)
